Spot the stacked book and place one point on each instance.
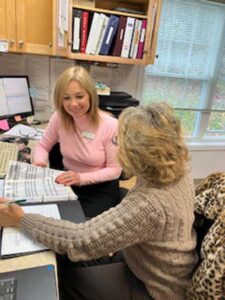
(101, 34)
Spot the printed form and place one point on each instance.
(35, 184)
(14, 241)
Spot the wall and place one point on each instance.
(43, 72)
(206, 161)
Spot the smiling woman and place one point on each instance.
(85, 135)
(76, 100)
(76, 83)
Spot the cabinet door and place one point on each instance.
(154, 10)
(35, 26)
(8, 23)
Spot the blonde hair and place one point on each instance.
(80, 75)
(151, 144)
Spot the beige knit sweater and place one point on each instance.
(153, 227)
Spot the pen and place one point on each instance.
(19, 201)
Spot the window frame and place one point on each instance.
(206, 98)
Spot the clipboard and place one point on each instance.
(68, 210)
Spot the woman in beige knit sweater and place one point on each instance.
(153, 225)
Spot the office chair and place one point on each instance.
(55, 162)
(55, 158)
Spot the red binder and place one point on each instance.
(84, 31)
(142, 39)
(119, 36)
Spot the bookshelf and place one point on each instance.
(148, 10)
(23, 31)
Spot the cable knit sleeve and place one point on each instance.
(49, 139)
(132, 221)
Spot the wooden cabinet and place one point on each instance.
(29, 26)
(8, 23)
(151, 13)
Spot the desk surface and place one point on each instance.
(47, 257)
(30, 261)
(27, 261)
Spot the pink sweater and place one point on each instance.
(90, 151)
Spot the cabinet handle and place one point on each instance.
(50, 45)
(21, 43)
(69, 43)
(11, 43)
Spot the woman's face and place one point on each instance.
(76, 101)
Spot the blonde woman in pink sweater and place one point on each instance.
(85, 135)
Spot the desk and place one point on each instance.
(28, 261)
(70, 210)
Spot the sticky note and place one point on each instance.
(4, 46)
(4, 125)
(18, 118)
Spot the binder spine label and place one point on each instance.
(109, 35)
(142, 35)
(121, 34)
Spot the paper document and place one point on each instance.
(35, 184)
(25, 131)
(2, 184)
(14, 241)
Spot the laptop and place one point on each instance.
(26, 284)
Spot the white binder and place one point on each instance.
(127, 37)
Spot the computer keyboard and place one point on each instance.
(8, 289)
(8, 151)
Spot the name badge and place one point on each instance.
(88, 135)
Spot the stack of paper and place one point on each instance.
(35, 184)
(25, 131)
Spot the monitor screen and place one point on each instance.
(15, 98)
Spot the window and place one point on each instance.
(189, 73)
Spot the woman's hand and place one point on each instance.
(68, 178)
(40, 164)
(10, 214)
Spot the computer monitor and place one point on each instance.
(15, 98)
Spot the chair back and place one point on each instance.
(55, 158)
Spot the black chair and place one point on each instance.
(55, 158)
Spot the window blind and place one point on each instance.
(189, 38)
